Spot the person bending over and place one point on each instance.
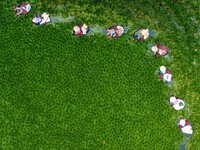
(176, 102)
(165, 74)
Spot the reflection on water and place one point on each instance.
(182, 147)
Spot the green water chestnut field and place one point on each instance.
(58, 91)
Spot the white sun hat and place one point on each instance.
(154, 49)
(173, 100)
(182, 122)
(45, 16)
(144, 31)
(163, 69)
(76, 28)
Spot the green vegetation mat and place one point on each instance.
(58, 91)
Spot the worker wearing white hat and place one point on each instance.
(22, 9)
(141, 34)
(185, 127)
(41, 19)
(45, 18)
(115, 31)
(81, 29)
(177, 103)
(159, 49)
(165, 74)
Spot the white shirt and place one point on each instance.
(27, 7)
(177, 105)
(187, 129)
(84, 30)
(45, 19)
(167, 77)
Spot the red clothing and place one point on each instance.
(142, 38)
(80, 32)
(115, 28)
(162, 47)
(161, 75)
(24, 10)
(176, 99)
(186, 124)
(162, 50)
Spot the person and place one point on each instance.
(41, 19)
(22, 9)
(159, 50)
(115, 31)
(185, 127)
(141, 34)
(176, 102)
(81, 29)
(111, 33)
(165, 74)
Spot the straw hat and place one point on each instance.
(76, 29)
(84, 25)
(173, 99)
(144, 31)
(163, 69)
(154, 49)
(182, 122)
(45, 16)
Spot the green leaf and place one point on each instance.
(32, 1)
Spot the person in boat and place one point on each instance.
(185, 127)
(159, 50)
(165, 74)
(176, 102)
(41, 19)
(81, 29)
(141, 34)
(22, 9)
(115, 31)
